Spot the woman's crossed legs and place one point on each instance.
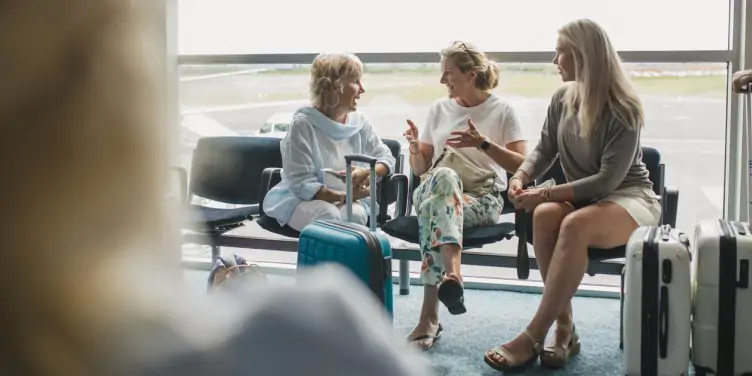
(443, 211)
(561, 237)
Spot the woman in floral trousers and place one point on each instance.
(481, 127)
(443, 212)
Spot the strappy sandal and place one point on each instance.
(556, 357)
(511, 363)
(434, 338)
(452, 295)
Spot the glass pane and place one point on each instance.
(241, 27)
(684, 106)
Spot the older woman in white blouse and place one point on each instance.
(319, 138)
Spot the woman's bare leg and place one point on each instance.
(603, 225)
(547, 219)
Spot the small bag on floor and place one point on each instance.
(233, 273)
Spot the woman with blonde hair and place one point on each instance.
(320, 136)
(480, 126)
(92, 280)
(593, 125)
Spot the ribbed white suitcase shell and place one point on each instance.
(671, 318)
(707, 299)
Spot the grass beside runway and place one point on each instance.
(418, 87)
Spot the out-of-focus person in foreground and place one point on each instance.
(92, 281)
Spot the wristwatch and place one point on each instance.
(484, 145)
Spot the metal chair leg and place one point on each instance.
(404, 277)
(621, 311)
(216, 251)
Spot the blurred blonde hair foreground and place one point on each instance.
(91, 283)
(82, 159)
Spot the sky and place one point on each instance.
(306, 26)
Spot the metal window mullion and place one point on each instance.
(745, 54)
(699, 56)
(733, 173)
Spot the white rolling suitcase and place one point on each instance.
(722, 317)
(657, 303)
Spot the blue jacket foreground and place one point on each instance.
(313, 142)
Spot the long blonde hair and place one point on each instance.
(83, 160)
(601, 84)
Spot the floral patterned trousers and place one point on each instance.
(443, 210)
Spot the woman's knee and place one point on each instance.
(575, 225)
(324, 211)
(548, 216)
(359, 214)
(444, 176)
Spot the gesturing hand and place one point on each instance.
(411, 134)
(466, 138)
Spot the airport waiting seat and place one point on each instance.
(225, 170)
(669, 202)
(386, 190)
(405, 227)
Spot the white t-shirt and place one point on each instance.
(493, 118)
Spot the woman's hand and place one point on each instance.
(360, 177)
(411, 134)
(358, 193)
(515, 188)
(529, 199)
(467, 138)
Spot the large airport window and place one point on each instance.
(685, 107)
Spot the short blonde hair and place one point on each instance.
(469, 58)
(327, 72)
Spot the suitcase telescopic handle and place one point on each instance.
(349, 159)
(360, 158)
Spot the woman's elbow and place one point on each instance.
(305, 190)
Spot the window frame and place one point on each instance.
(737, 56)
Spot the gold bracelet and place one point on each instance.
(546, 194)
(515, 178)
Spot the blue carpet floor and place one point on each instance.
(494, 317)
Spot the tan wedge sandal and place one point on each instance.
(511, 363)
(556, 357)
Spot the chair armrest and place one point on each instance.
(384, 192)
(182, 182)
(670, 206)
(402, 183)
(269, 178)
